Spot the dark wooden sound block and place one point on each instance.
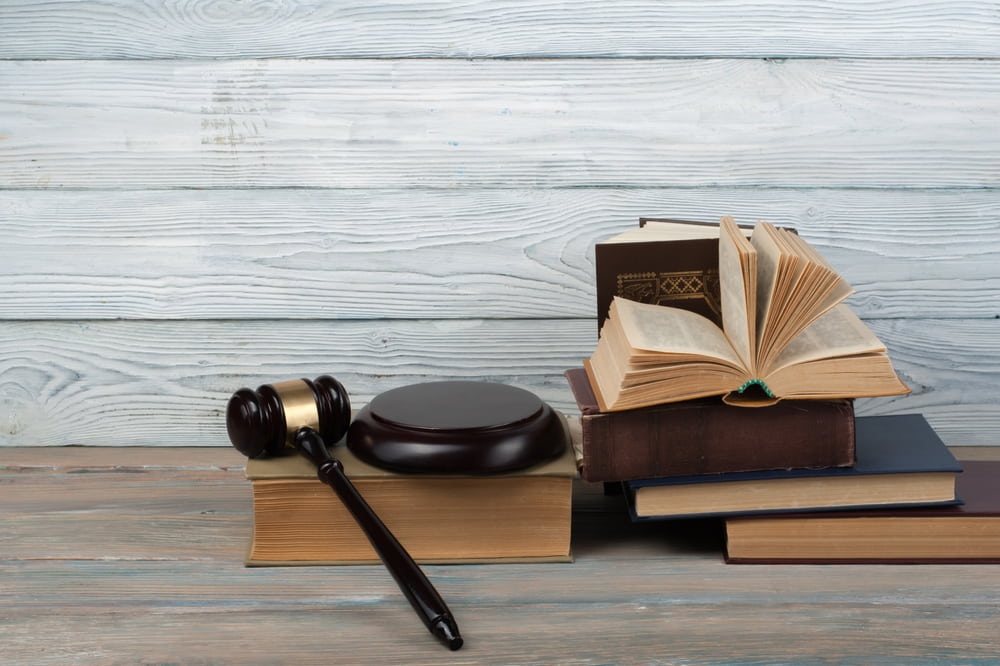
(457, 427)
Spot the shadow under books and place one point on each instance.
(602, 528)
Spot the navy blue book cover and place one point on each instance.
(896, 444)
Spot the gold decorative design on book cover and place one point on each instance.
(666, 288)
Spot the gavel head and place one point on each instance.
(264, 422)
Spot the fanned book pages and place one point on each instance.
(785, 333)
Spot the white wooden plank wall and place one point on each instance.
(199, 196)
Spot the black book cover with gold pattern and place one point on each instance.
(679, 273)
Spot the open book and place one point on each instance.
(785, 334)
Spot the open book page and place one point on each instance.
(768, 260)
(666, 332)
(837, 333)
(651, 354)
(805, 287)
(738, 291)
(855, 376)
(821, 286)
(784, 269)
(675, 383)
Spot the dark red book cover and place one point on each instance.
(708, 436)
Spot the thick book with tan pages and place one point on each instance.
(514, 517)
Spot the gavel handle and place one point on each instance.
(411, 579)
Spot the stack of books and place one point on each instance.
(722, 385)
(966, 532)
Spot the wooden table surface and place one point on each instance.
(134, 556)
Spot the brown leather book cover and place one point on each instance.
(708, 436)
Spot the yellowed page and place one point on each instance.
(853, 376)
(789, 270)
(837, 333)
(768, 258)
(823, 288)
(677, 382)
(671, 331)
(738, 291)
(806, 287)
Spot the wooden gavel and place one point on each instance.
(303, 415)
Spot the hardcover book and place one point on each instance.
(785, 332)
(520, 516)
(708, 436)
(900, 461)
(966, 533)
(663, 262)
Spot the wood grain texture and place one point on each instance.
(196, 196)
(121, 383)
(111, 29)
(453, 254)
(135, 382)
(499, 123)
(158, 578)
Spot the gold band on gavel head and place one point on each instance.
(299, 404)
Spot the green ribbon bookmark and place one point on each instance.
(756, 382)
